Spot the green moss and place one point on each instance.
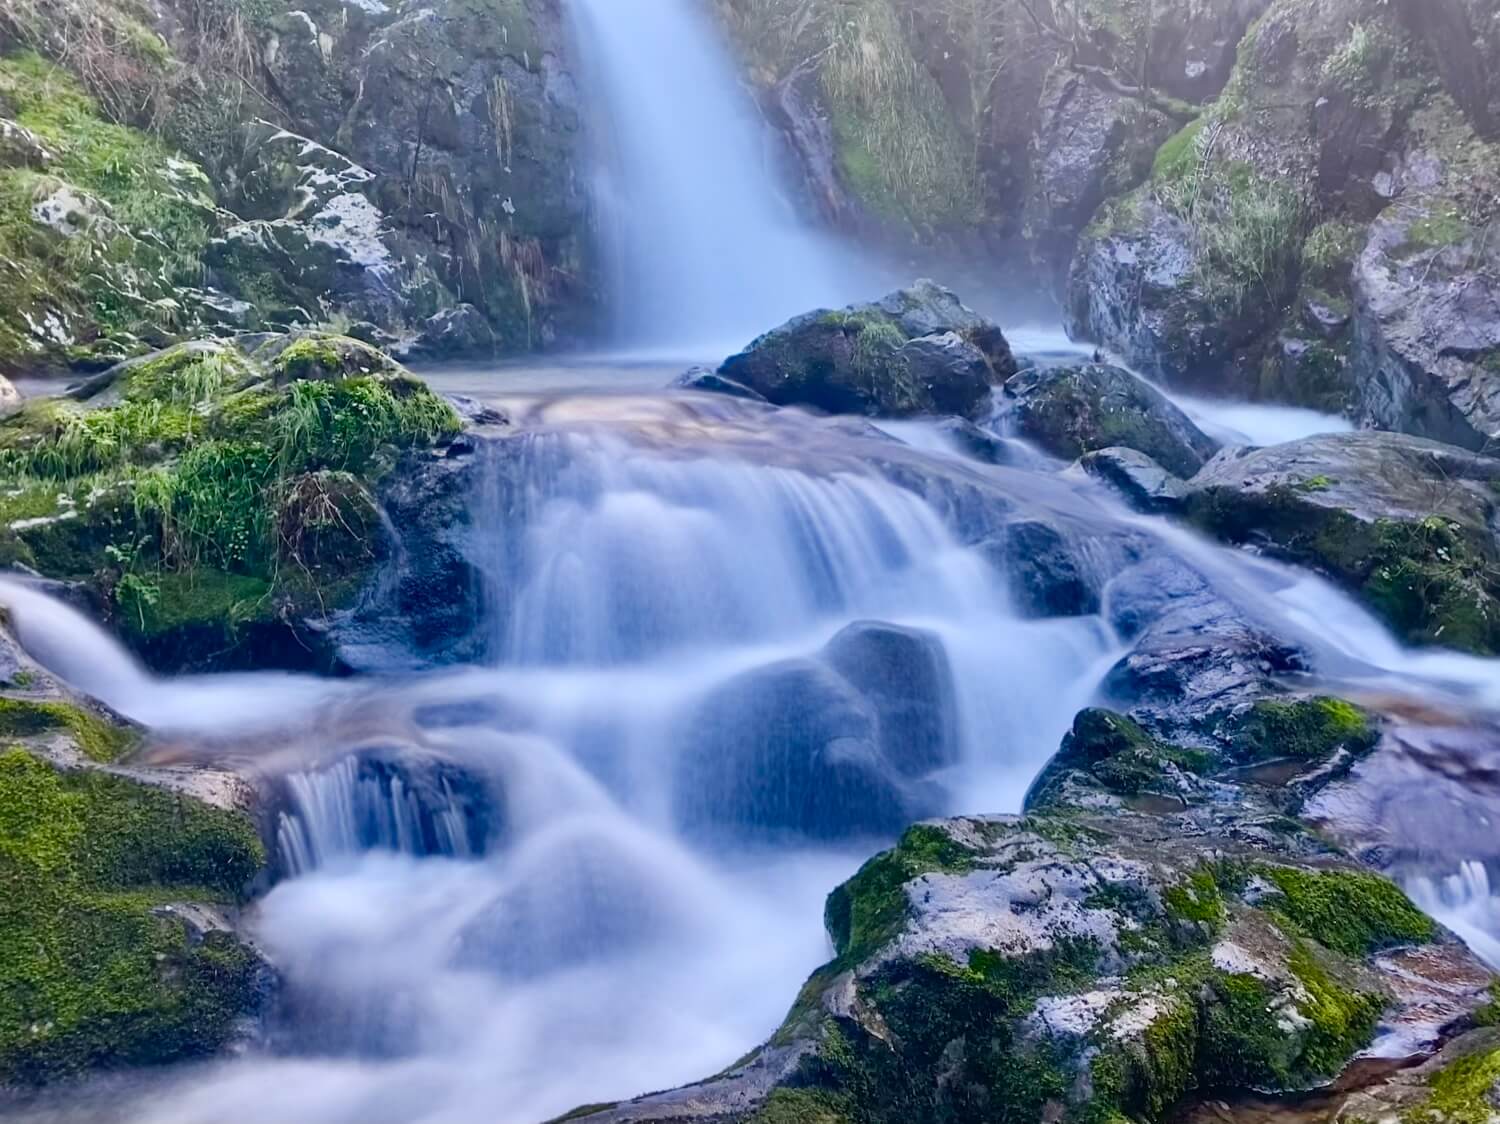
(1462, 1093)
(1489, 1014)
(804, 1106)
(868, 911)
(1352, 912)
(1441, 225)
(1310, 730)
(1179, 155)
(93, 975)
(197, 597)
(98, 739)
(1343, 1020)
(1434, 581)
(1196, 900)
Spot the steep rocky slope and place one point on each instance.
(407, 172)
(1320, 234)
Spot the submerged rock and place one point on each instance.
(1070, 411)
(1407, 524)
(917, 351)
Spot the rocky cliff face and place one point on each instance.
(1317, 234)
(408, 173)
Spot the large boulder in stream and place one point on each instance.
(1088, 966)
(1073, 410)
(917, 351)
(1408, 524)
(849, 737)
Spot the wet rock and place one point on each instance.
(1181, 952)
(1197, 657)
(1132, 289)
(1146, 485)
(1047, 575)
(904, 675)
(1408, 524)
(1071, 411)
(918, 351)
(1427, 326)
(975, 442)
(804, 724)
(702, 379)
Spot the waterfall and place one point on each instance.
(351, 808)
(705, 249)
(1467, 901)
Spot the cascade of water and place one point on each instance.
(706, 252)
(1467, 902)
(700, 613)
(343, 811)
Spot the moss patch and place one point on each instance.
(93, 975)
(99, 740)
(1310, 730)
(1462, 1093)
(1351, 912)
(215, 490)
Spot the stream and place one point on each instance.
(728, 653)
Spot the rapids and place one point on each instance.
(551, 877)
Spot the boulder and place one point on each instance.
(804, 724)
(1146, 485)
(1407, 524)
(1070, 411)
(1060, 968)
(20, 147)
(904, 675)
(917, 351)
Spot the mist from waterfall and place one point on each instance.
(705, 246)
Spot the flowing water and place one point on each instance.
(706, 245)
(593, 863)
(728, 652)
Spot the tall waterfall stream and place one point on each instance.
(581, 867)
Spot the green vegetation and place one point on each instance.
(99, 739)
(1462, 1093)
(1247, 229)
(95, 974)
(207, 494)
(1351, 912)
(1310, 730)
(129, 221)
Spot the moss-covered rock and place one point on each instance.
(1071, 411)
(1405, 523)
(218, 501)
(1088, 967)
(106, 887)
(918, 351)
(1116, 755)
(1308, 730)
